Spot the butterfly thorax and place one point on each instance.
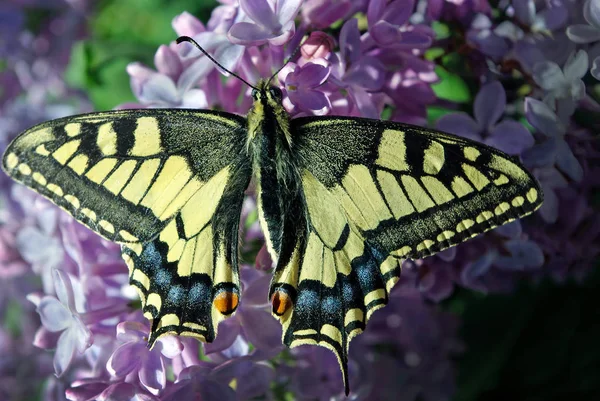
(270, 143)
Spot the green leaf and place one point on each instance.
(451, 87)
(442, 30)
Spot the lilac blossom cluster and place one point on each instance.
(357, 57)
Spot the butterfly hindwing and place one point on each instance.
(166, 184)
(376, 193)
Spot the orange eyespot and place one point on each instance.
(281, 302)
(226, 302)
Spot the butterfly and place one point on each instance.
(342, 201)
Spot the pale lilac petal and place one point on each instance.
(228, 331)
(159, 89)
(169, 346)
(246, 33)
(477, 268)
(591, 12)
(287, 33)
(490, 103)
(185, 24)
(194, 73)
(63, 288)
(543, 118)
(46, 339)
(129, 331)
(567, 162)
(83, 335)
(548, 75)
(229, 55)
(194, 99)
(152, 373)
(350, 41)
(260, 12)
(577, 66)
(167, 62)
(239, 348)
(261, 329)
(126, 358)
(595, 70)
(65, 351)
(583, 33)
(287, 10)
(459, 124)
(554, 18)
(54, 315)
(510, 137)
(524, 254)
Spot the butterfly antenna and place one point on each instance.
(192, 41)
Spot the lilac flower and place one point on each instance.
(552, 17)
(301, 86)
(133, 358)
(389, 29)
(61, 315)
(482, 35)
(196, 383)
(507, 135)
(272, 21)
(357, 72)
(166, 88)
(88, 390)
(564, 87)
(580, 33)
(321, 14)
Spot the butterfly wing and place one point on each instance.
(376, 193)
(167, 185)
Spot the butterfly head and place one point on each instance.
(266, 93)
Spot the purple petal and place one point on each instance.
(255, 294)
(350, 41)
(65, 351)
(582, 34)
(152, 373)
(511, 137)
(543, 118)
(310, 100)
(524, 11)
(287, 10)
(375, 11)
(311, 75)
(255, 382)
(567, 162)
(261, 329)
(54, 315)
(246, 33)
(554, 17)
(368, 73)
(46, 339)
(490, 103)
(385, 34)
(549, 209)
(398, 12)
(477, 268)
(364, 103)
(228, 331)
(459, 124)
(541, 155)
(126, 358)
(577, 66)
(510, 230)
(167, 62)
(260, 12)
(194, 73)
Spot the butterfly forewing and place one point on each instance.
(166, 184)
